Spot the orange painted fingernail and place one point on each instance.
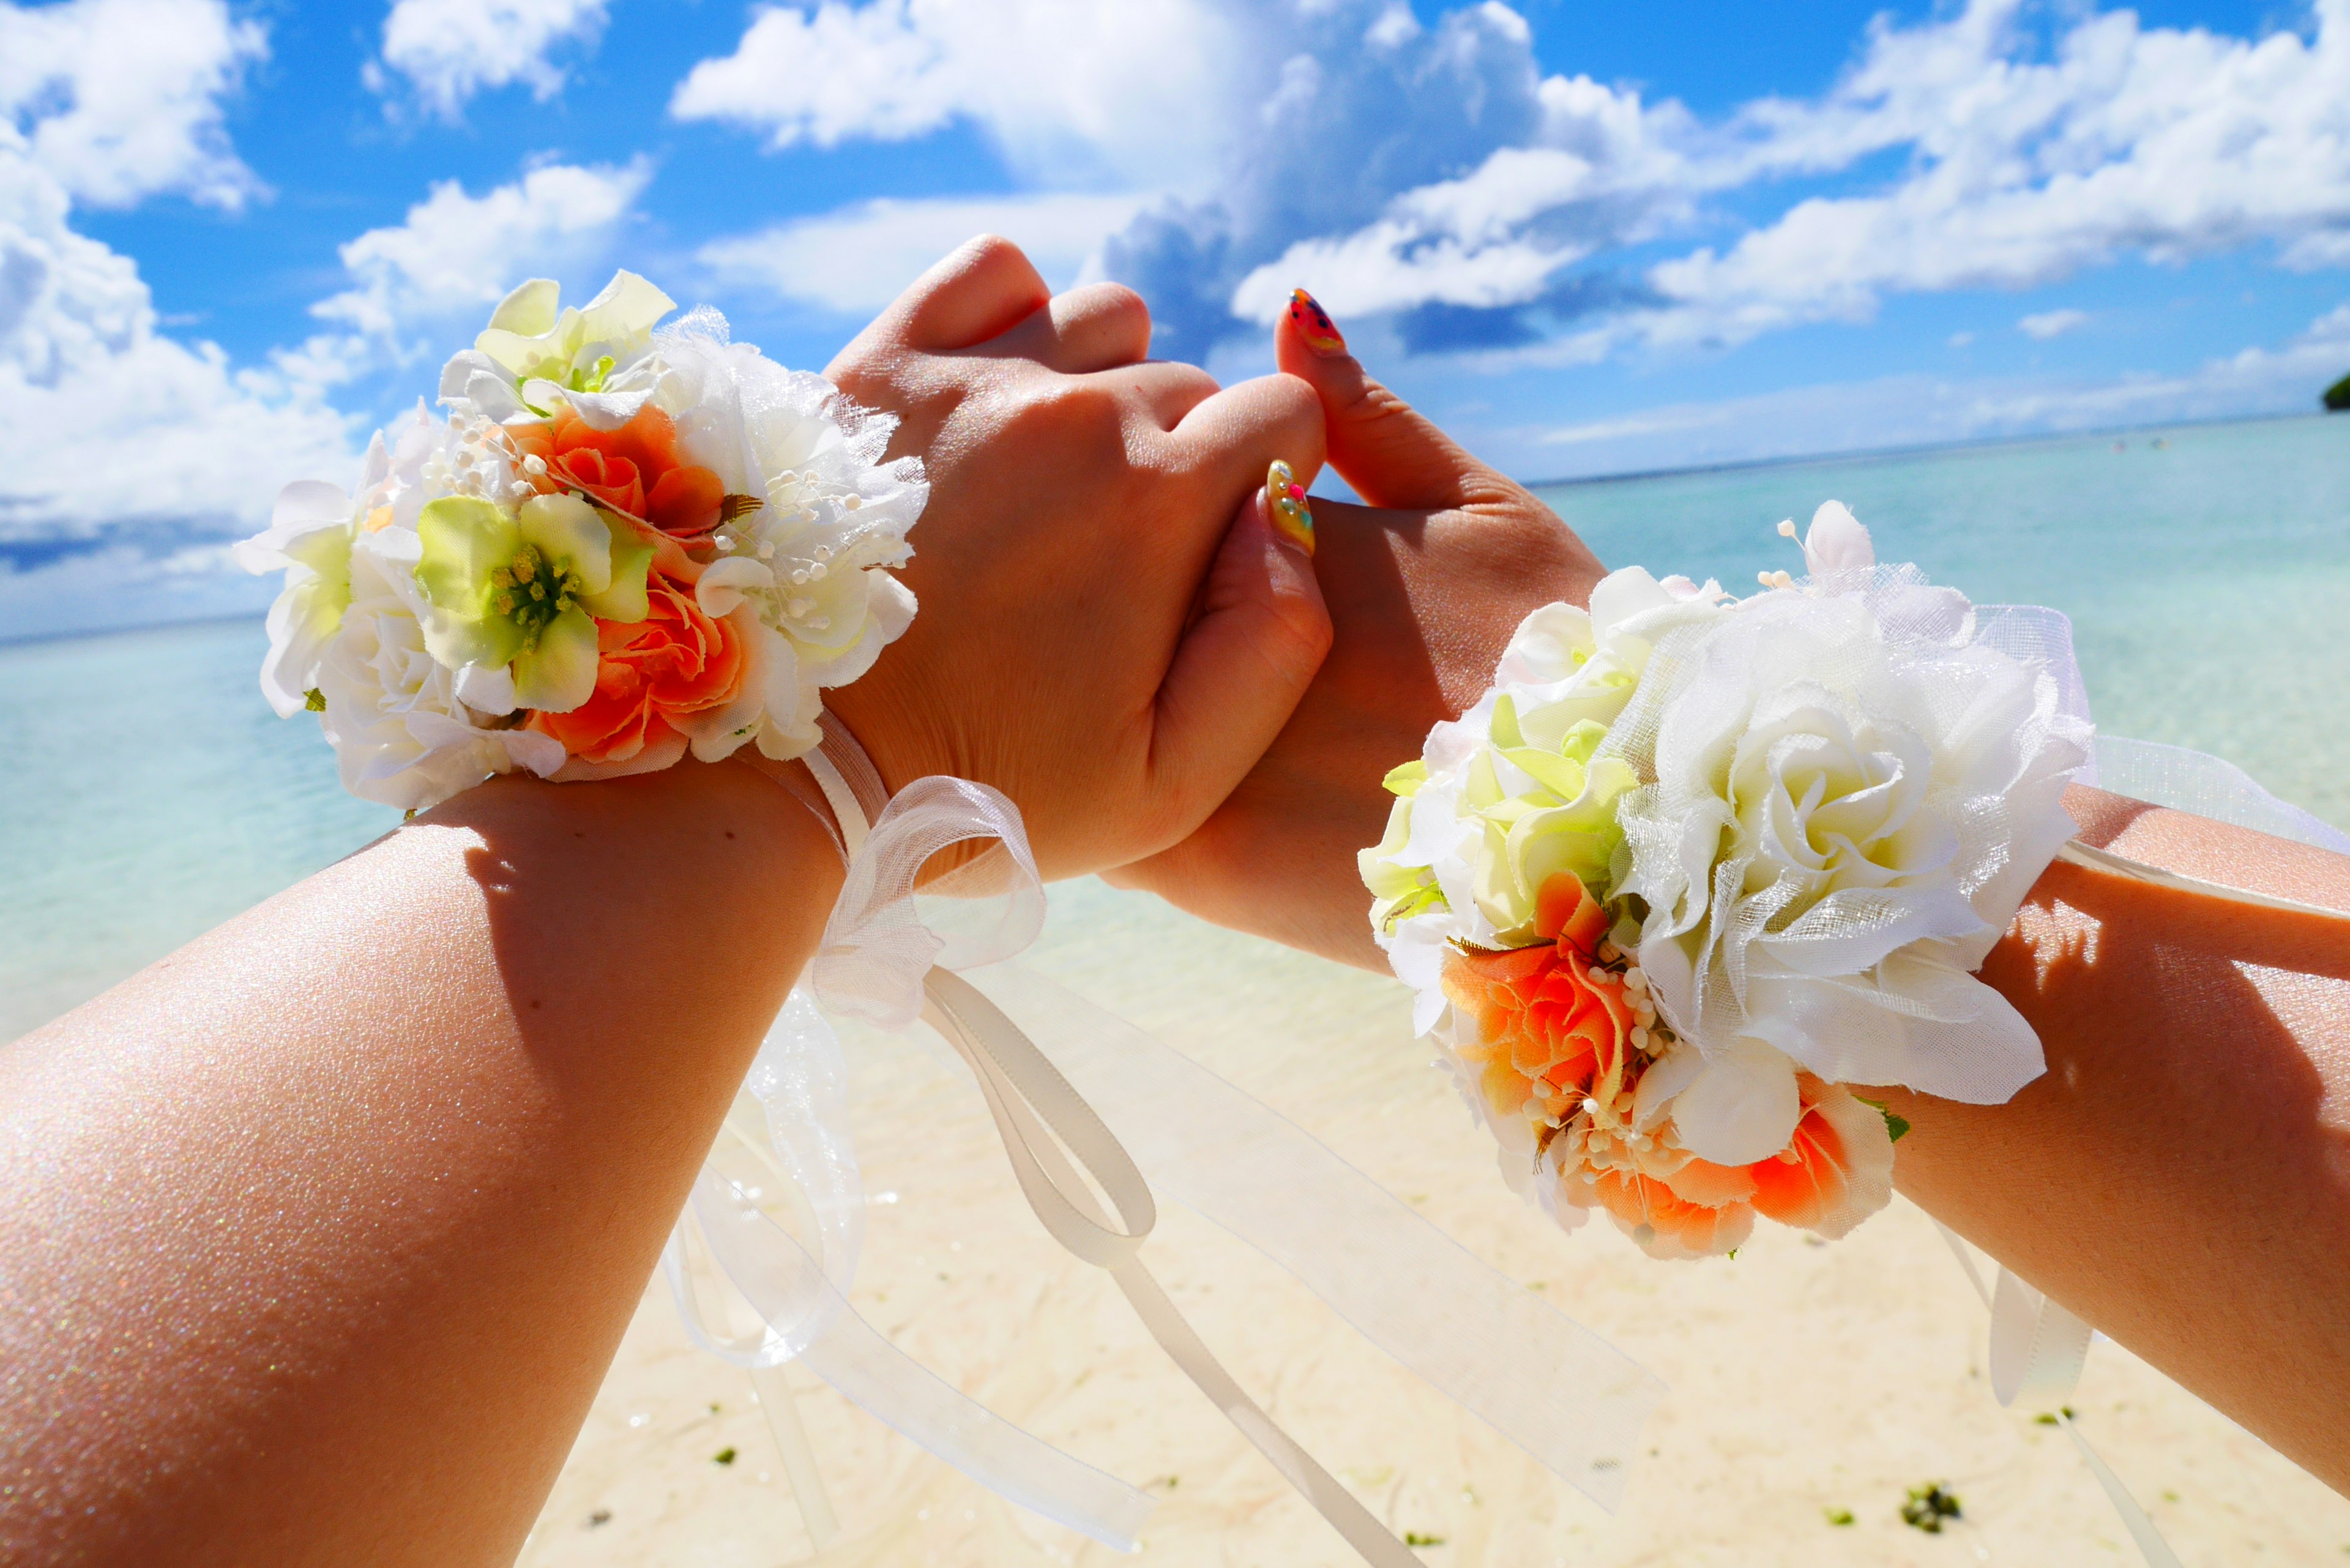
(1284, 503)
(1313, 324)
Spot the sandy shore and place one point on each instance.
(1808, 1381)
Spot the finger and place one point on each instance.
(1169, 388)
(1098, 327)
(1379, 443)
(981, 290)
(1261, 634)
(1234, 435)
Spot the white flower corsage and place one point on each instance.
(619, 545)
(1697, 866)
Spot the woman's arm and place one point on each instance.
(2180, 1177)
(321, 1231)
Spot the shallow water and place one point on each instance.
(151, 793)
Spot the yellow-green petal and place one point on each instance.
(1406, 779)
(464, 539)
(571, 535)
(559, 674)
(624, 600)
(529, 310)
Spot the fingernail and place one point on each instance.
(1313, 324)
(1284, 503)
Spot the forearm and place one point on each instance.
(2182, 1169)
(2180, 1176)
(322, 1231)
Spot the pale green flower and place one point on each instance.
(522, 590)
(571, 349)
(1402, 891)
(1542, 809)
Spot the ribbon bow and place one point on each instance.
(1569, 1397)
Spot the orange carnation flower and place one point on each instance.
(1835, 1171)
(635, 469)
(1538, 1013)
(651, 677)
(1548, 1038)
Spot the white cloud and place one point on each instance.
(1069, 90)
(121, 99)
(1918, 409)
(2152, 143)
(450, 49)
(2038, 144)
(455, 255)
(2047, 324)
(855, 260)
(122, 442)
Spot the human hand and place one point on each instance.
(1424, 585)
(1110, 631)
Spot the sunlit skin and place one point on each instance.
(2180, 1177)
(321, 1233)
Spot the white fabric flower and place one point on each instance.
(309, 539)
(401, 734)
(1850, 797)
(812, 560)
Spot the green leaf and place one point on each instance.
(1839, 1516)
(1414, 1538)
(1894, 1126)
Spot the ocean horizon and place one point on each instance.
(2204, 568)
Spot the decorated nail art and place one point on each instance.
(1284, 503)
(1314, 324)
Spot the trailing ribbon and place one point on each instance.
(1565, 1394)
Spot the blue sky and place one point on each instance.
(1589, 238)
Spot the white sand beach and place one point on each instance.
(1808, 1381)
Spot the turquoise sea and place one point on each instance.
(151, 793)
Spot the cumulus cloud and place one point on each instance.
(123, 441)
(2044, 324)
(450, 49)
(117, 101)
(2122, 141)
(1068, 89)
(1432, 174)
(2028, 162)
(857, 260)
(455, 255)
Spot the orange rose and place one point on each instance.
(1537, 1012)
(1666, 1224)
(635, 469)
(650, 676)
(1835, 1171)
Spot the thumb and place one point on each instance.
(1379, 443)
(1241, 668)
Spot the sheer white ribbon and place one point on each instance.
(1551, 1385)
